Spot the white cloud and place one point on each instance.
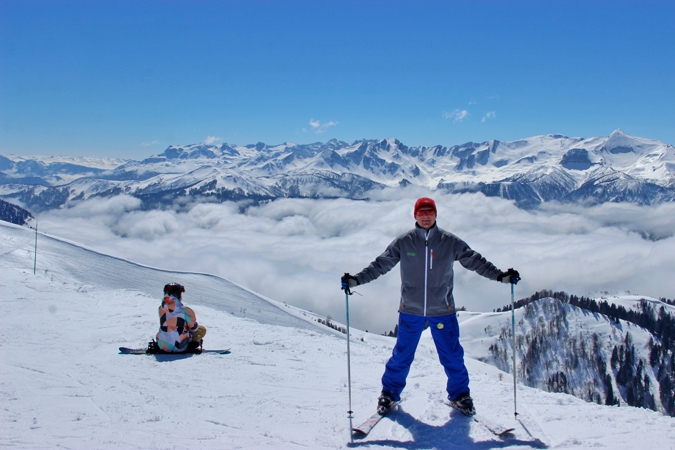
(211, 140)
(489, 115)
(456, 115)
(295, 250)
(319, 127)
(151, 143)
(98, 207)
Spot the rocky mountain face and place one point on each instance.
(617, 168)
(13, 214)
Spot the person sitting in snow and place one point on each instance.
(179, 331)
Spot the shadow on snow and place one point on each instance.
(455, 433)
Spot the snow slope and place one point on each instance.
(63, 383)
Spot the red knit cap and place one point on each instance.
(424, 202)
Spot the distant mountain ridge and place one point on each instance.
(617, 168)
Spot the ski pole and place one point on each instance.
(513, 331)
(349, 367)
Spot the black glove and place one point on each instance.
(510, 276)
(348, 281)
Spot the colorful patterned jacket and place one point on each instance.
(176, 325)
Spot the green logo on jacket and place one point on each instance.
(411, 253)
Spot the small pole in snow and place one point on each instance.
(35, 255)
(513, 331)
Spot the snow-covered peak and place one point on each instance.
(530, 171)
(621, 142)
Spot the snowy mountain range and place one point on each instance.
(285, 383)
(616, 168)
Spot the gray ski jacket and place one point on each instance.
(426, 258)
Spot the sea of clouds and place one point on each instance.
(295, 250)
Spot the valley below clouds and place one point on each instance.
(295, 250)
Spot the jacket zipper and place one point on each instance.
(426, 258)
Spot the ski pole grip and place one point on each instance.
(345, 283)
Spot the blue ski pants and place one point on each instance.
(445, 332)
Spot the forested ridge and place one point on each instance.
(555, 356)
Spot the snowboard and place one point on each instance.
(142, 351)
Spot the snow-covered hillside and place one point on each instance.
(615, 168)
(63, 383)
(564, 348)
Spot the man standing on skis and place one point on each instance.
(427, 254)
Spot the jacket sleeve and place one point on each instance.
(382, 264)
(473, 260)
(191, 319)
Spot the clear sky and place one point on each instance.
(128, 78)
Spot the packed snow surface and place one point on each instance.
(64, 384)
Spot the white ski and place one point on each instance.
(495, 428)
(492, 426)
(365, 428)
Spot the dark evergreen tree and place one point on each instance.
(558, 383)
(610, 399)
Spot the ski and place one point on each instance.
(143, 351)
(365, 428)
(493, 427)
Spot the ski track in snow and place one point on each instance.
(63, 383)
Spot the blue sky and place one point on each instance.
(128, 78)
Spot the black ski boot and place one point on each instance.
(464, 403)
(195, 347)
(153, 348)
(384, 403)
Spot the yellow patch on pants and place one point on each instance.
(199, 334)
